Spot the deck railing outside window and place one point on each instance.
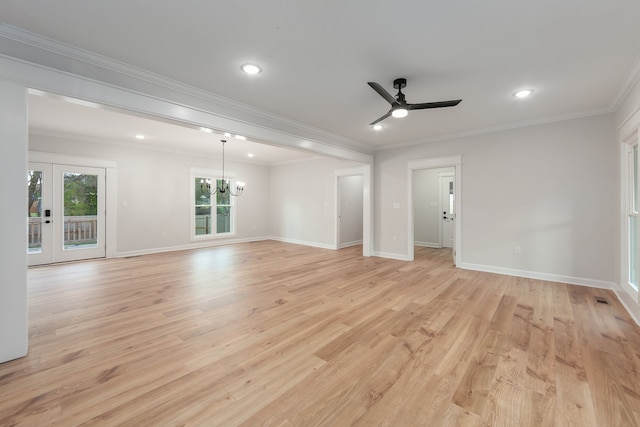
(77, 230)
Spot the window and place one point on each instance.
(211, 214)
(632, 216)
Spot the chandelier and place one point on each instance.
(207, 187)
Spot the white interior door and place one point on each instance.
(447, 204)
(66, 213)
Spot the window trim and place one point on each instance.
(631, 209)
(214, 175)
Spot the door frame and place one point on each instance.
(111, 185)
(454, 161)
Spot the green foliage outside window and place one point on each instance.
(80, 194)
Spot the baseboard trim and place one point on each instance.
(187, 247)
(303, 243)
(428, 245)
(629, 304)
(400, 257)
(580, 281)
(349, 244)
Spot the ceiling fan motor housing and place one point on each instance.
(400, 83)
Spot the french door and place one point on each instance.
(66, 220)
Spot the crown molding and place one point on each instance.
(633, 76)
(499, 128)
(256, 116)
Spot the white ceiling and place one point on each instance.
(65, 117)
(580, 56)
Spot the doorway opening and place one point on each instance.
(353, 203)
(349, 211)
(434, 207)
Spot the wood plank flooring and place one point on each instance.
(273, 334)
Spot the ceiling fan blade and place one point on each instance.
(380, 119)
(383, 93)
(440, 104)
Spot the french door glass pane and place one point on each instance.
(80, 210)
(34, 211)
(633, 251)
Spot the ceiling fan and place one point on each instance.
(399, 106)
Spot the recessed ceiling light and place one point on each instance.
(227, 134)
(240, 137)
(207, 130)
(251, 69)
(250, 155)
(139, 136)
(523, 93)
(377, 127)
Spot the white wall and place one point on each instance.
(293, 202)
(550, 189)
(13, 250)
(302, 203)
(350, 189)
(153, 194)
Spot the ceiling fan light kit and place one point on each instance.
(400, 112)
(399, 106)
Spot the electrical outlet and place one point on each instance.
(518, 250)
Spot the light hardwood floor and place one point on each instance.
(274, 334)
